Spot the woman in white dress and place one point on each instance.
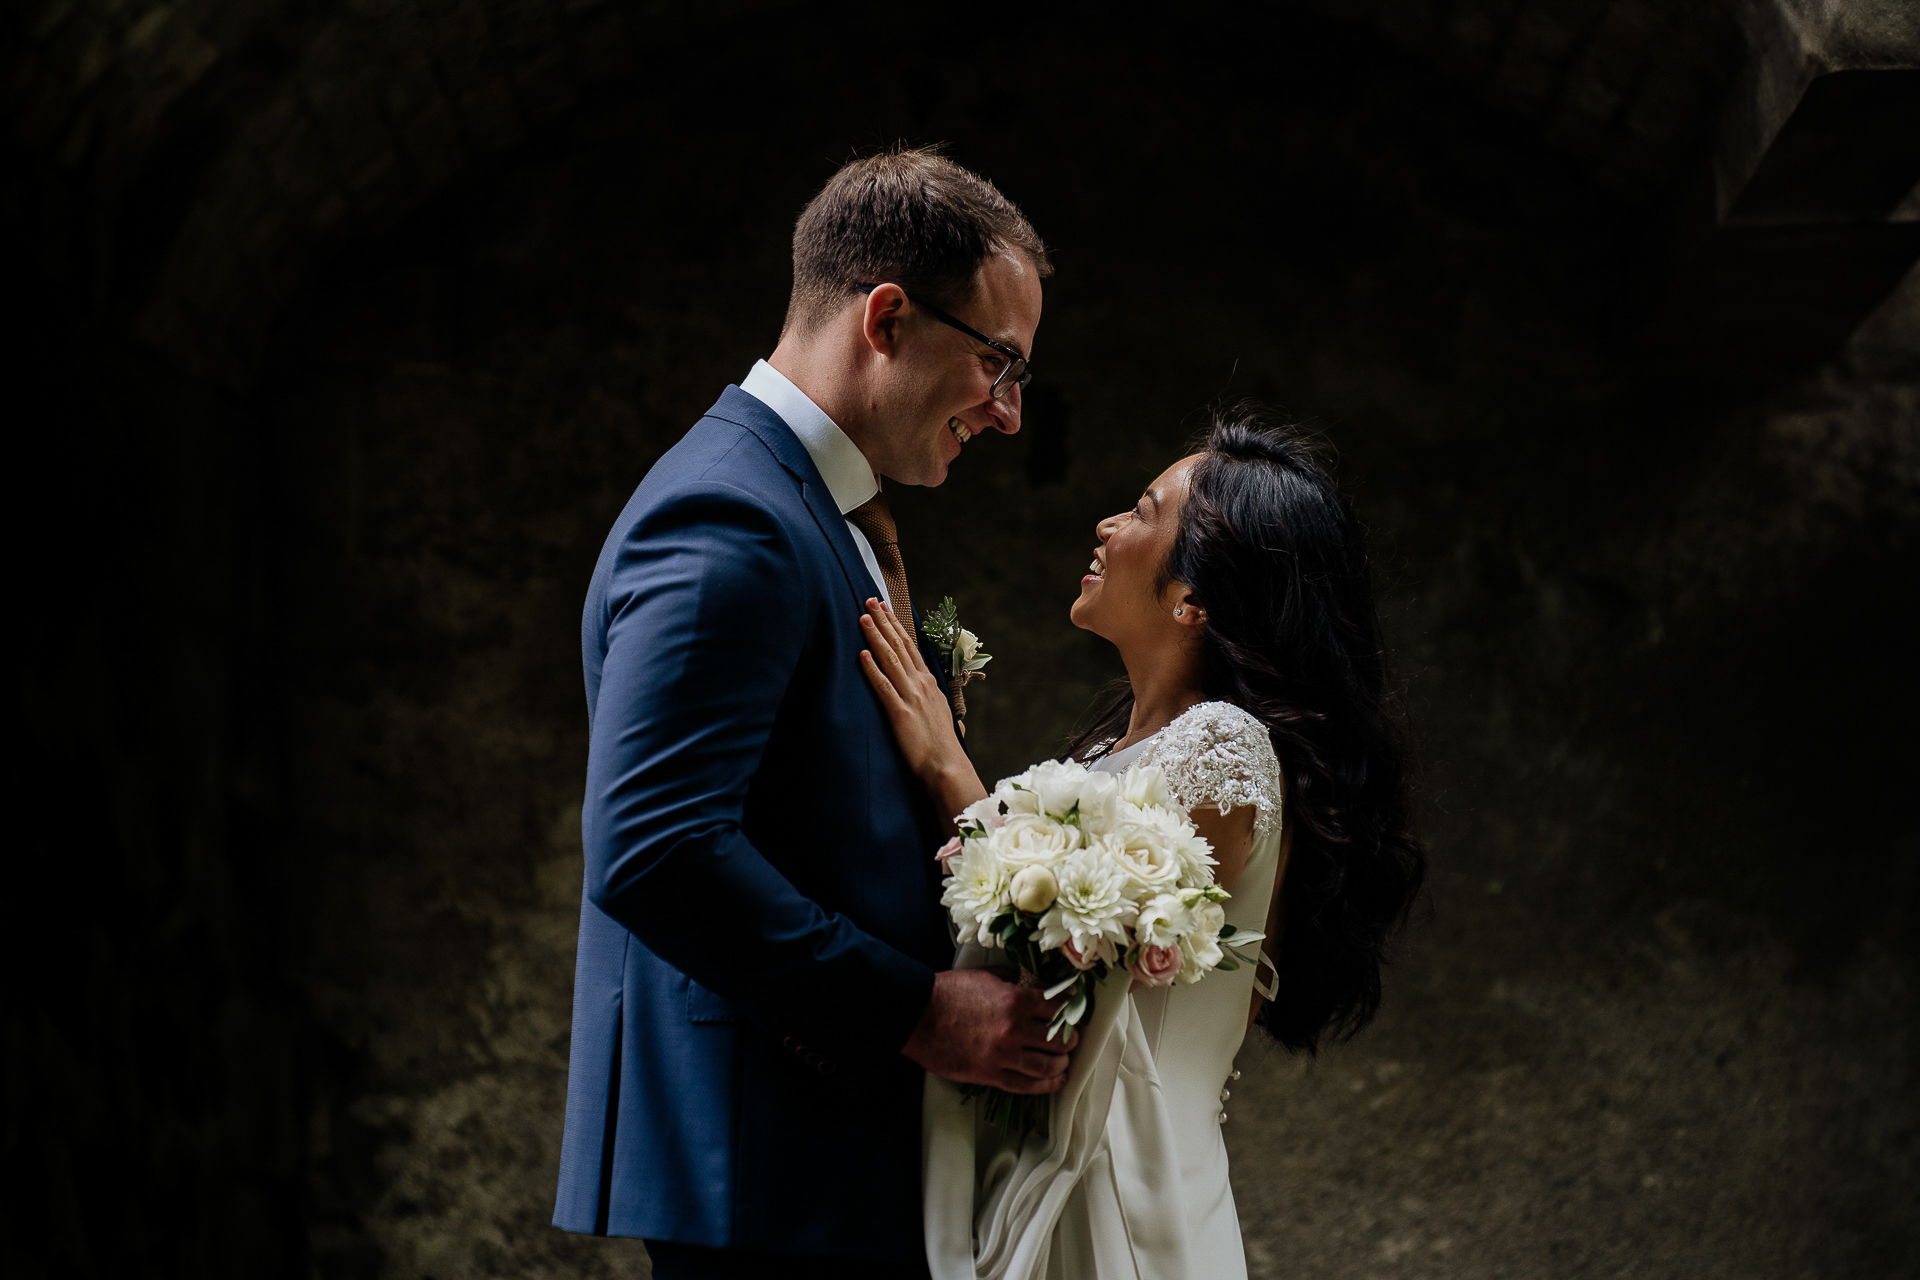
(1237, 593)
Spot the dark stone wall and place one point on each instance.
(301, 678)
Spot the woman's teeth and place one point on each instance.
(961, 431)
(1093, 567)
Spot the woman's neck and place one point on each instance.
(1162, 690)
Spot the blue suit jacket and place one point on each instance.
(761, 922)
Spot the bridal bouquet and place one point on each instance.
(1073, 872)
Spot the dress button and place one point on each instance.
(1223, 1117)
(1233, 1075)
(1225, 1094)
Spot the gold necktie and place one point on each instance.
(875, 519)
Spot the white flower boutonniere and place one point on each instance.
(960, 652)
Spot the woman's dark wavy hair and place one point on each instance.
(1271, 550)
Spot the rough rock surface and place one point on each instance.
(1654, 631)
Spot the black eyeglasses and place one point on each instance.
(1014, 373)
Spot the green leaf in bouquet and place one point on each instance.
(1076, 1007)
(1240, 955)
(1062, 985)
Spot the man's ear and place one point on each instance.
(880, 319)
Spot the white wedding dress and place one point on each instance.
(1131, 1183)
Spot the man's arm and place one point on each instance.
(704, 599)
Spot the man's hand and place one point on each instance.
(980, 1029)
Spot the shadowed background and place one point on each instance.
(348, 329)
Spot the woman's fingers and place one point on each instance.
(885, 655)
(903, 643)
(882, 625)
(893, 657)
(898, 635)
(889, 696)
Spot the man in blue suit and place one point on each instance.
(762, 976)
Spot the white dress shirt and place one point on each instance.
(849, 479)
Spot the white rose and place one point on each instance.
(969, 645)
(1034, 889)
(1209, 917)
(1144, 856)
(1014, 794)
(1201, 949)
(1144, 784)
(1099, 803)
(1192, 855)
(1199, 953)
(984, 812)
(1056, 783)
(1028, 838)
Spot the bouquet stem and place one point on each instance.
(1017, 1114)
(1020, 1114)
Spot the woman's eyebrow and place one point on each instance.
(1148, 495)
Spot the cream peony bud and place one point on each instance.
(1034, 889)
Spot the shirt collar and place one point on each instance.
(845, 469)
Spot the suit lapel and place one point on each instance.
(743, 410)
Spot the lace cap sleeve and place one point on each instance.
(1215, 753)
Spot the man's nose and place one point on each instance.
(1006, 411)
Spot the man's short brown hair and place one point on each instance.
(909, 217)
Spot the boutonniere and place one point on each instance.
(960, 653)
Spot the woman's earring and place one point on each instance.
(1179, 609)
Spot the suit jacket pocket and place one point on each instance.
(708, 1006)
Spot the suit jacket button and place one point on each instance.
(827, 1068)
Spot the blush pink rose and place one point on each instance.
(1076, 958)
(1156, 966)
(948, 852)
